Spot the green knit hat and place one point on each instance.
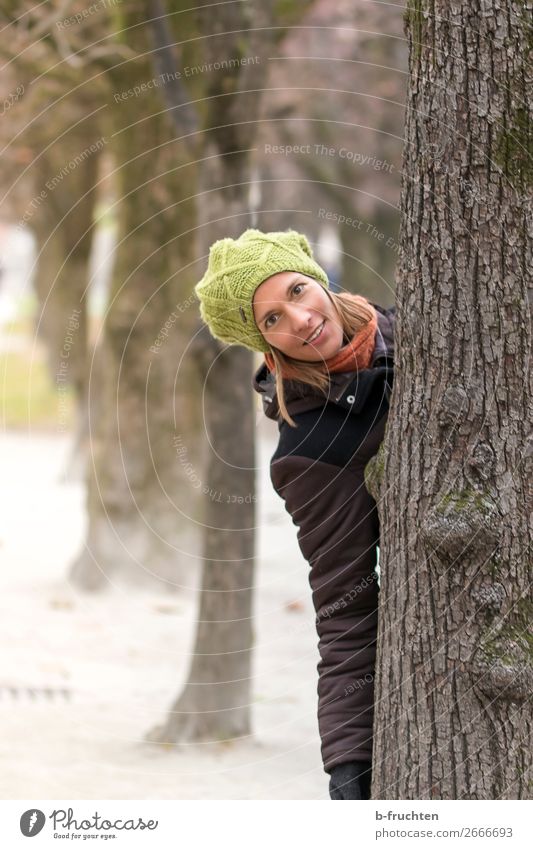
(235, 269)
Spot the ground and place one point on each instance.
(85, 676)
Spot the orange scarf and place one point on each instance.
(356, 354)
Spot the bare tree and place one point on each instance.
(335, 104)
(51, 146)
(453, 480)
(93, 76)
(143, 514)
(215, 702)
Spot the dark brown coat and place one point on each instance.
(318, 469)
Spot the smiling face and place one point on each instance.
(296, 315)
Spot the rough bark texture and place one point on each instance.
(453, 481)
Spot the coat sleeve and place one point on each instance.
(338, 534)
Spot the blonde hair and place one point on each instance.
(353, 316)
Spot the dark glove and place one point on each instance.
(351, 780)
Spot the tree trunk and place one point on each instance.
(369, 256)
(64, 227)
(144, 514)
(454, 673)
(215, 702)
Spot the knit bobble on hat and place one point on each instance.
(235, 269)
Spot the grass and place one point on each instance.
(30, 397)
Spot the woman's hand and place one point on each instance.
(351, 780)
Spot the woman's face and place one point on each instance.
(289, 308)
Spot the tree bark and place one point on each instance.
(453, 479)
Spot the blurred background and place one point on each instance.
(155, 603)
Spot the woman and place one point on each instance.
(326, 380)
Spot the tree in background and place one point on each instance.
(215, 702)
(52, 144)
(151, 363)
(453, 479)
(92, 84)
(335, 103)
(143, 513)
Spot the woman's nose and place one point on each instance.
(299, 317)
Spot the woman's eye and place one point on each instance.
(300, 287)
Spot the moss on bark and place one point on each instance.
(413, 23)
(374, 470)
(514, 149)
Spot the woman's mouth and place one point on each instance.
(317, 335)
